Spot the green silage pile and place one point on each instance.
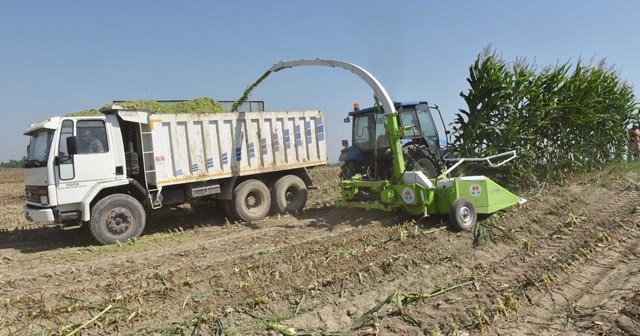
(200, 105)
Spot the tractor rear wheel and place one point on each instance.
(462, 215)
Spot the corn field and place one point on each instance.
(560, 119)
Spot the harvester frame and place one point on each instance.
(463, 198)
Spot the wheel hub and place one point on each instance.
(290, 194)
(119, 220)
(465, 215)
(253, 200)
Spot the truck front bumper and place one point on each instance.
(34, 214)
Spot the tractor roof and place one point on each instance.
(395, 104)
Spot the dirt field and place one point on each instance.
(565, 263)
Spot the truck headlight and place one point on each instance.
(44, 199)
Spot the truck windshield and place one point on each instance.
(38, 150)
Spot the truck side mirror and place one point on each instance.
(346, 120)
(72, 145)
(345, 143)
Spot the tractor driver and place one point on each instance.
(89, 143)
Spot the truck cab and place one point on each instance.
(67, 159)
(369, 153)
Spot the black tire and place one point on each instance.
(230, 210)
(117, 218)
(462, 215)
(289, 194)
(419, 159)
(349, 169)
(206, 207)
(251, 200)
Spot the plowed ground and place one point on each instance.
(567, 262)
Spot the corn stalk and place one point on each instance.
(561, 119)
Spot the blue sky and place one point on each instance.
(64, 56)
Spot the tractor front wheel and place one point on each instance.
(349, 169)
(420, 159)
(462, 215)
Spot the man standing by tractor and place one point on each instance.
(634, 142)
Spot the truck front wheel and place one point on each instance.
(252, 200)
(117, 218)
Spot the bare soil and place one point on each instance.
(567, 263)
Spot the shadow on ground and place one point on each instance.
(39, 239)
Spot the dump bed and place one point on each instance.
(182, 148)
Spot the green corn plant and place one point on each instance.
(561, 119)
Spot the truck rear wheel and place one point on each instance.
(289, 194)
(117, 218)
(229, 209)
(251, 200)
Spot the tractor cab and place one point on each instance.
(370, 154)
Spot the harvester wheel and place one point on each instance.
(462, 215)
(349, 169)
(289, 194)
(117, 218)
(251, 200)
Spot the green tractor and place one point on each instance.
(402, 184)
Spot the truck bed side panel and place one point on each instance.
(192, 147)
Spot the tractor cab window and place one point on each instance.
(382, 140)
(362, 131)
(408, 118)
(427, 126)
(92, 137)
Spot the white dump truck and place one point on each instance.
(107, 171)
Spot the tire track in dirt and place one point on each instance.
(590, 298)
(157, 260)
(332, 266)
(500, 272)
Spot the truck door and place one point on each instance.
(94, 162)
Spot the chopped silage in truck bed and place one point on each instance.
(196, 106)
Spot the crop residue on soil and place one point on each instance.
(565, 263)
